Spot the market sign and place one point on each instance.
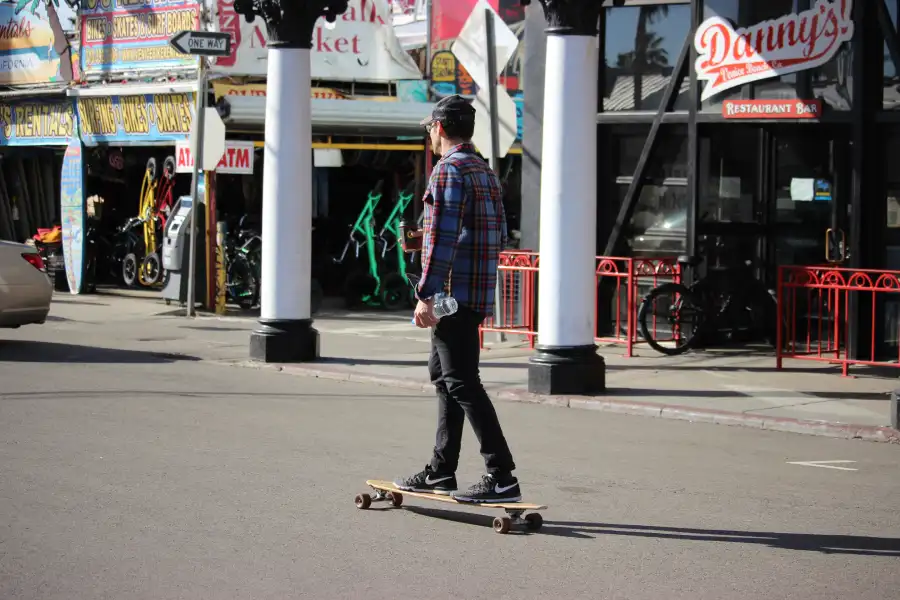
(27, 49)
(360, 46)
(146, 118)
(132, 35)
(772, 109)
(37, 123)
(237, 159)
(729, 58)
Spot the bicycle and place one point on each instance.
(728, 300)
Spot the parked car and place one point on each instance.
(25, 289)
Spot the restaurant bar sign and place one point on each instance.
(729, 58)
(130, 35)
(772, 109)
(37, 123)
(146, 118)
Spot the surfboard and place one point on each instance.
(72, 214)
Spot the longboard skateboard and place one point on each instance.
(385, 491)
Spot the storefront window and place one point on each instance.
(728, 176)
(642, 48)
(830, 82)
(659, 222)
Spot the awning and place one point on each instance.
(352, 117)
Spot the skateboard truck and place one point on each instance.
(386, 492)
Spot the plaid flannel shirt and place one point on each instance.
(464, 232)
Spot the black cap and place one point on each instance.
(452, 108)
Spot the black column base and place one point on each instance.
(566, 371)
(281, 341)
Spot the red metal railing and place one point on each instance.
(814, 315)
(623, 282)
(517, 288)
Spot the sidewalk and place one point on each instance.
(727, 387)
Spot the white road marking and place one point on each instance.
(825, 464)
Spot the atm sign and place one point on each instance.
(237, 160)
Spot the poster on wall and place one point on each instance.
(72, 214)
(729, 58)
(37, 123)
(146, 118)
(133, 35)
(28, 51)
(361, 46)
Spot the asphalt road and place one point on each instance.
(127, 475)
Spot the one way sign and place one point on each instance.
(202, 43)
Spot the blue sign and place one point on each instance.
(147, 118)
(37, 123)
(133, 35)
(72, 214)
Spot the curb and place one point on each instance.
(870, 433)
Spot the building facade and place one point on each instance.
(760, 130)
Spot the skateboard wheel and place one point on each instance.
(502, 524)
(395, 498)
(534, 521)
(363, 501)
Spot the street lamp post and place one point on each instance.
(565, 359)
(285, 332)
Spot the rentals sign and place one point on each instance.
(729, 58)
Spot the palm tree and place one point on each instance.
(646, 45)
(60, 41)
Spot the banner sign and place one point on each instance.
(772, 109)
(221, 90)
(72, 215)
(730, 58)
(237, 160)
(37, 123)
(133, 35)
(27, 52)
(136, 119)
(361, 46)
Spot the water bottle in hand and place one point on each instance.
(444, 305)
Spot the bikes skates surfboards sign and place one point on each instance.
(729, 57)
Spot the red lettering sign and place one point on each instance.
(229, 22)
(729, 58)
(772, 109)
(237, 159)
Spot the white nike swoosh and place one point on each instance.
(500, 490)
(431, 481)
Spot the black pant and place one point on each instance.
(453, 366)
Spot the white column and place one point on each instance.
(568, 225)
(287, 188)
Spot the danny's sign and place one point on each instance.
(729, 58)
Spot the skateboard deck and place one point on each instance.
(386, 491)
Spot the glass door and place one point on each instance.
(809, 195)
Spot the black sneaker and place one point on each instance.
(492, 488)
(428, 482)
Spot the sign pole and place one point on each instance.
(195, 183)
(495, 138)
(492, 89)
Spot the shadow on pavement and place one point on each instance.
(809, 542)
(419, 362)
(26, 351)
(188, 394)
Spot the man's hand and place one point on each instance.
(425, 314)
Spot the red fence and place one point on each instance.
(621, 285)
(814, 305)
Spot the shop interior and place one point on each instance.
(360, 199)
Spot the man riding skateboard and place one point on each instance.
(464, 232)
